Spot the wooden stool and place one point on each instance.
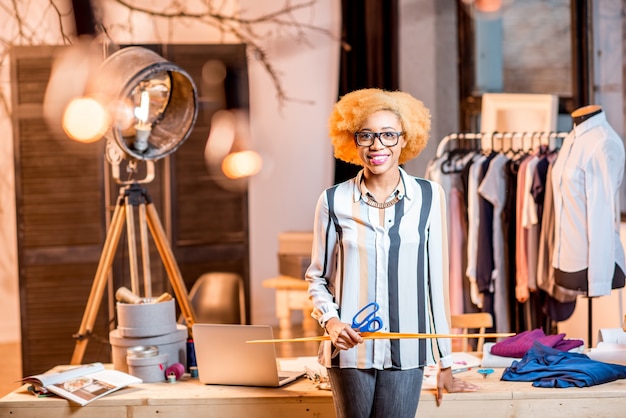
(291, 294)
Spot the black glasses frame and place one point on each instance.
(378, 135)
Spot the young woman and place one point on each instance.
(380, 246)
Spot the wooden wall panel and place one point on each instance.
(64, 197)
(53, 302)
(210, 222)
(60, 220)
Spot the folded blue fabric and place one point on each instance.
(547, 367)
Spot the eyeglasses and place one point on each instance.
(366, 139)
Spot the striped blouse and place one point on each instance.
(396, 257)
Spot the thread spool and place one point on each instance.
(177, 370)
(191, 354)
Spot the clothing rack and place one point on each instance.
(516, 142)
(499, 141)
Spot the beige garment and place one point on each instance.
(545, 271)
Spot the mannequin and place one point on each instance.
(583, 113)
(588, 255)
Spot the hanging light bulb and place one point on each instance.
(488, 6)
(142, 127)
(68, 76)
(485, 6)
(85, 120)
(242, 164)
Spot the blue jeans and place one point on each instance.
(370, 393)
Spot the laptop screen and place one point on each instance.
(225, 358)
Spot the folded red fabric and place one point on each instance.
(517, 345)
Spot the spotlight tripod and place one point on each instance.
(132, 196)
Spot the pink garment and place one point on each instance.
(457, 242)
(530, 222)
(521, 258)
(517, 345)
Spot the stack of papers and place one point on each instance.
(461, 362)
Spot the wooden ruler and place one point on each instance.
(387, 336)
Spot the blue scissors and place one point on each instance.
(370, 322)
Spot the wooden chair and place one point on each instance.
(467, 321)
(218, 298)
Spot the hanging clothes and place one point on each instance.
(447, 170)
(472, 229)
(493, 189)
(560, 302)
(521, 257)
(494, 201)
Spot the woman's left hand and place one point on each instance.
(451, 384)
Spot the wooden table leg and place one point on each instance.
(283, 313)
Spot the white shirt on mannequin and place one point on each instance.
(586, 178)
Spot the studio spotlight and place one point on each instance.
(152, 102)
(151, 108)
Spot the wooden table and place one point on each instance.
(292, 295)
(188, 398)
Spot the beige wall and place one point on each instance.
(299, 161)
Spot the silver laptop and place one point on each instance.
(224, 357)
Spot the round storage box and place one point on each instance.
(146, 319)
(174, 344)
(149, 369)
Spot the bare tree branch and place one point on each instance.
(210, 13)
(242, 28)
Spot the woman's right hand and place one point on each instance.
(342, 335)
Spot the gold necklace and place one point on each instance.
(373, 203)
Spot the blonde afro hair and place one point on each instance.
(351, 110)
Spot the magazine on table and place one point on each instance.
(80, 384)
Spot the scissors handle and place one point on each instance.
(371, 322)
(372, 325)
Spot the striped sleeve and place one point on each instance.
(323, 262)
(439, 274)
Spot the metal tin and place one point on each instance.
(142, 351)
